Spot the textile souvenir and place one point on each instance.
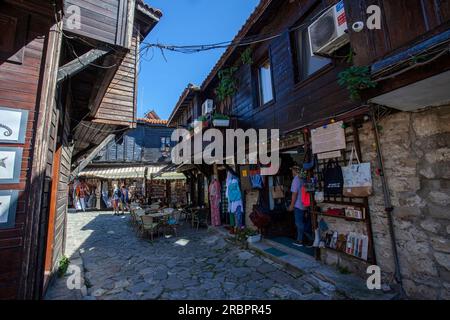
(306, 199)
(319, 196)
(357, 178)
(333, 179)
(256, 181)
(277, 190)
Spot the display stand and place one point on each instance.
(352, 139)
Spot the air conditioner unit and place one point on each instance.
(329, 32)
(207, 106)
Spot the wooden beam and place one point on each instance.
(90, 157)
(80, 63)
(103, 82)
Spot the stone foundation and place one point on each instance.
(416, 152)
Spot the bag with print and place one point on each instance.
(357, 178)
(333, 179)
(277, 190)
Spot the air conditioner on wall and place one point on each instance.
(207, 106)
(329, 32)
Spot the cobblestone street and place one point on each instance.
(196, 265)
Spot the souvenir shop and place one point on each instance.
(335, 190)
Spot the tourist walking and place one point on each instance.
(116, 198)
(82, 194)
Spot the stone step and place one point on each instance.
(326, 277)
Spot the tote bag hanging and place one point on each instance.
(333, 180)
(277, 190)
(357, 178)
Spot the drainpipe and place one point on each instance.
(388, 205)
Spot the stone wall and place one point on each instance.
(416, 152)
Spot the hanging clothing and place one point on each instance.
(214, 202)
(234, 195)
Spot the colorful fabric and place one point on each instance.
(214, 201)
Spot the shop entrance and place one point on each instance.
(283, 227)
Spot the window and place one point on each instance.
(265, 83)
(306, 64)
(165, 144)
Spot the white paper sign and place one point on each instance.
(5, 202)
(328, 138)
(10, 122)
(7, 163)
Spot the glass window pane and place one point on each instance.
(308, 64)
(265, 83)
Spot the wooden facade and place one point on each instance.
(41, 71)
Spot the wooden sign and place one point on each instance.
(328, 138)
(10, 164)
(13, 125)
(8, 207)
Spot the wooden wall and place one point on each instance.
(19, 87)
(295, 104)
(403, 23)
(140, 144)
(100, 20)
(119, 103)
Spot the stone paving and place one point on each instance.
(195, 265)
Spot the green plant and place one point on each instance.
(63, 266)
(202, 119)
(227, 83)
(219, 116)
(355, 79)
(246, 56)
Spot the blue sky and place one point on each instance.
(185, 22)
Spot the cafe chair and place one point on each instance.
(149, 227)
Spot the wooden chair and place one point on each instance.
(149, 226)
(200, 217)
(139, 213)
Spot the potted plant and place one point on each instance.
(253, 236)
(200, 123)
(221, 120)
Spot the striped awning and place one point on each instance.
(171, 176)
(119, 173)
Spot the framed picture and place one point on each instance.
(10, 164)
(13, 125)
(8, 207)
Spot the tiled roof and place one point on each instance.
(152, 121)
(256, 14)
(156, 12)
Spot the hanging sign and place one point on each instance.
(13, 125)
(328, 138)
(329, 155)
(10, 164)
(8, 206)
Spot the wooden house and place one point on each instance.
(68, 70)
(133, 159)
(280, 84)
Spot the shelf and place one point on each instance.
(349, 255)
(340, 217)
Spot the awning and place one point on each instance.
(171, 176)
(119, 173)
(168, 172)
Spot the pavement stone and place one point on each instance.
(121, 265)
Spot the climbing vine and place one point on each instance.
(356, 79)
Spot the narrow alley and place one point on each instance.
(196, 265)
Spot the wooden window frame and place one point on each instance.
(299, 75)
(266, 57)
